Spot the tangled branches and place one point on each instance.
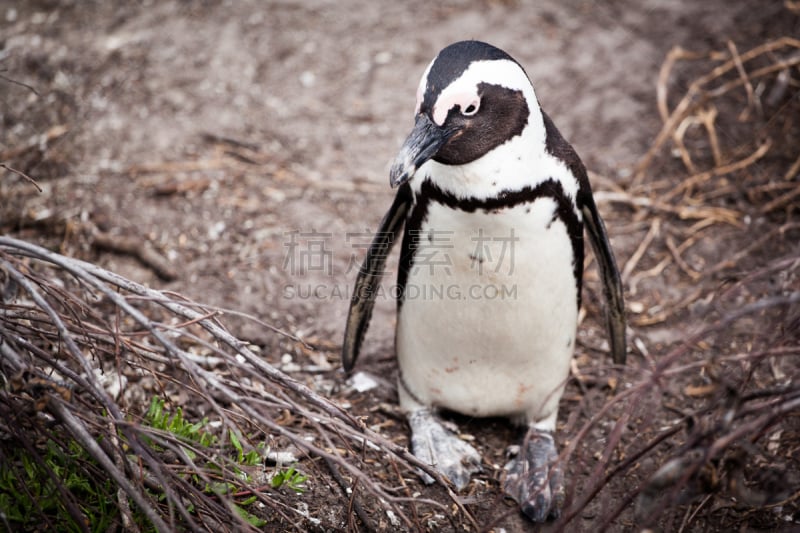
(66, 365)
(715, 416)
(180, 425)
(715, 442)
(697, 107)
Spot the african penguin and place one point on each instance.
(494, 202)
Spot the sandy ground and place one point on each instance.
(248, 142)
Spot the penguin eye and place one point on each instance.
(470, 109)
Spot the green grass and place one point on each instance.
(291, 478)
(157, 417)
(30, 498)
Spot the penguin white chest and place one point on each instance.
(487, 323)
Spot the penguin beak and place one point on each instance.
(422, 144)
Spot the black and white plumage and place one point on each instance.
(484, 160)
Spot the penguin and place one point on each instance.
(492, 203)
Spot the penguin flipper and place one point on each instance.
(612, 284)
(370, 274)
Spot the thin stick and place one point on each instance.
(793, 170)
(22, 174)
(737, 60)
(782, 200)
(716, 172)
(676, 254)
(88, 442)
(15, 82)
(633, 261)
(708, 117)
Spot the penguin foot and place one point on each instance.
(440, 448)
(534, 478)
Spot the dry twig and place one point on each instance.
(90, 345)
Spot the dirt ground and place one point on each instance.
(245, 146)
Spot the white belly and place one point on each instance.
(492, 338)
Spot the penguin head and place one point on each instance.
(474, 100)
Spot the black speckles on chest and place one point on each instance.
(474, 258)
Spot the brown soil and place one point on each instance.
(246, 146)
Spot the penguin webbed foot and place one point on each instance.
(433, 444)
(535, 480)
